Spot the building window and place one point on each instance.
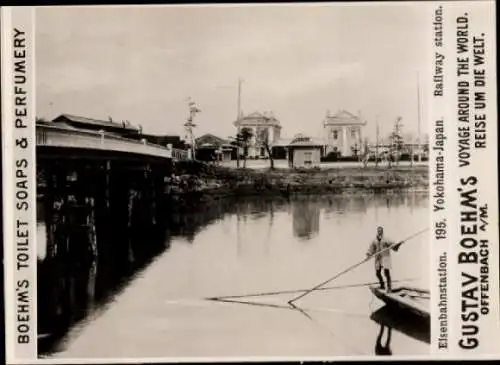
(353, 133)
(335, 134)
(307, 158)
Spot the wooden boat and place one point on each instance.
(405, 298)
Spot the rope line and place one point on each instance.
(283, 306)
(296, 291)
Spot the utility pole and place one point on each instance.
(189, 125)
(239, 98)
(238, 117)
(398, 139)
(376, 143)
(418, 119)
(411, 152)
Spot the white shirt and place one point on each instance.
(382, 259)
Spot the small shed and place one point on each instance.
(304, 152)
(213, 148)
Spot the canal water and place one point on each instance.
(255, 245)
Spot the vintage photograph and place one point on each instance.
(232, 181)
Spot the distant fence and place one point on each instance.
(55, 136)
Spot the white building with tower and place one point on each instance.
(262, 126)
(343, 132)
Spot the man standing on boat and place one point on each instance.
(382, 259)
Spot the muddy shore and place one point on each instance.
(206, 181)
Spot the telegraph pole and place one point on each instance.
(376, 143)
(418, 117)
(238, 117)
(411, 151)
(239, 98)
(189, 125)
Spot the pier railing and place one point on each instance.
(55, 136)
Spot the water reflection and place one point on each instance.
(230, 245)
(305, 219)
(383, 346)
(408, 324)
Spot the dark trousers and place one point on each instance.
(387, 274)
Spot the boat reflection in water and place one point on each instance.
(407, 323)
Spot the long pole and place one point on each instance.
(238, 116)
(192, 144)
(411, 152)
(418, 116)
(239, 99)
(376, 143)
(354, 266)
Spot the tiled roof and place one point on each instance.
(96, 122)
(306, 141)
(210, 139)
(58, 124)
(256, 119)
(255, 115)
(343, 118)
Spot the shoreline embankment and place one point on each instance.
(209, 181)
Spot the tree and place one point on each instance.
(425, 147)
(234, 142)
(264, 140)
(243, 139)
(366, 153)
(397, 139)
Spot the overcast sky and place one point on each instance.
(142, 63)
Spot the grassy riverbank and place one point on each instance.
(211, 180)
